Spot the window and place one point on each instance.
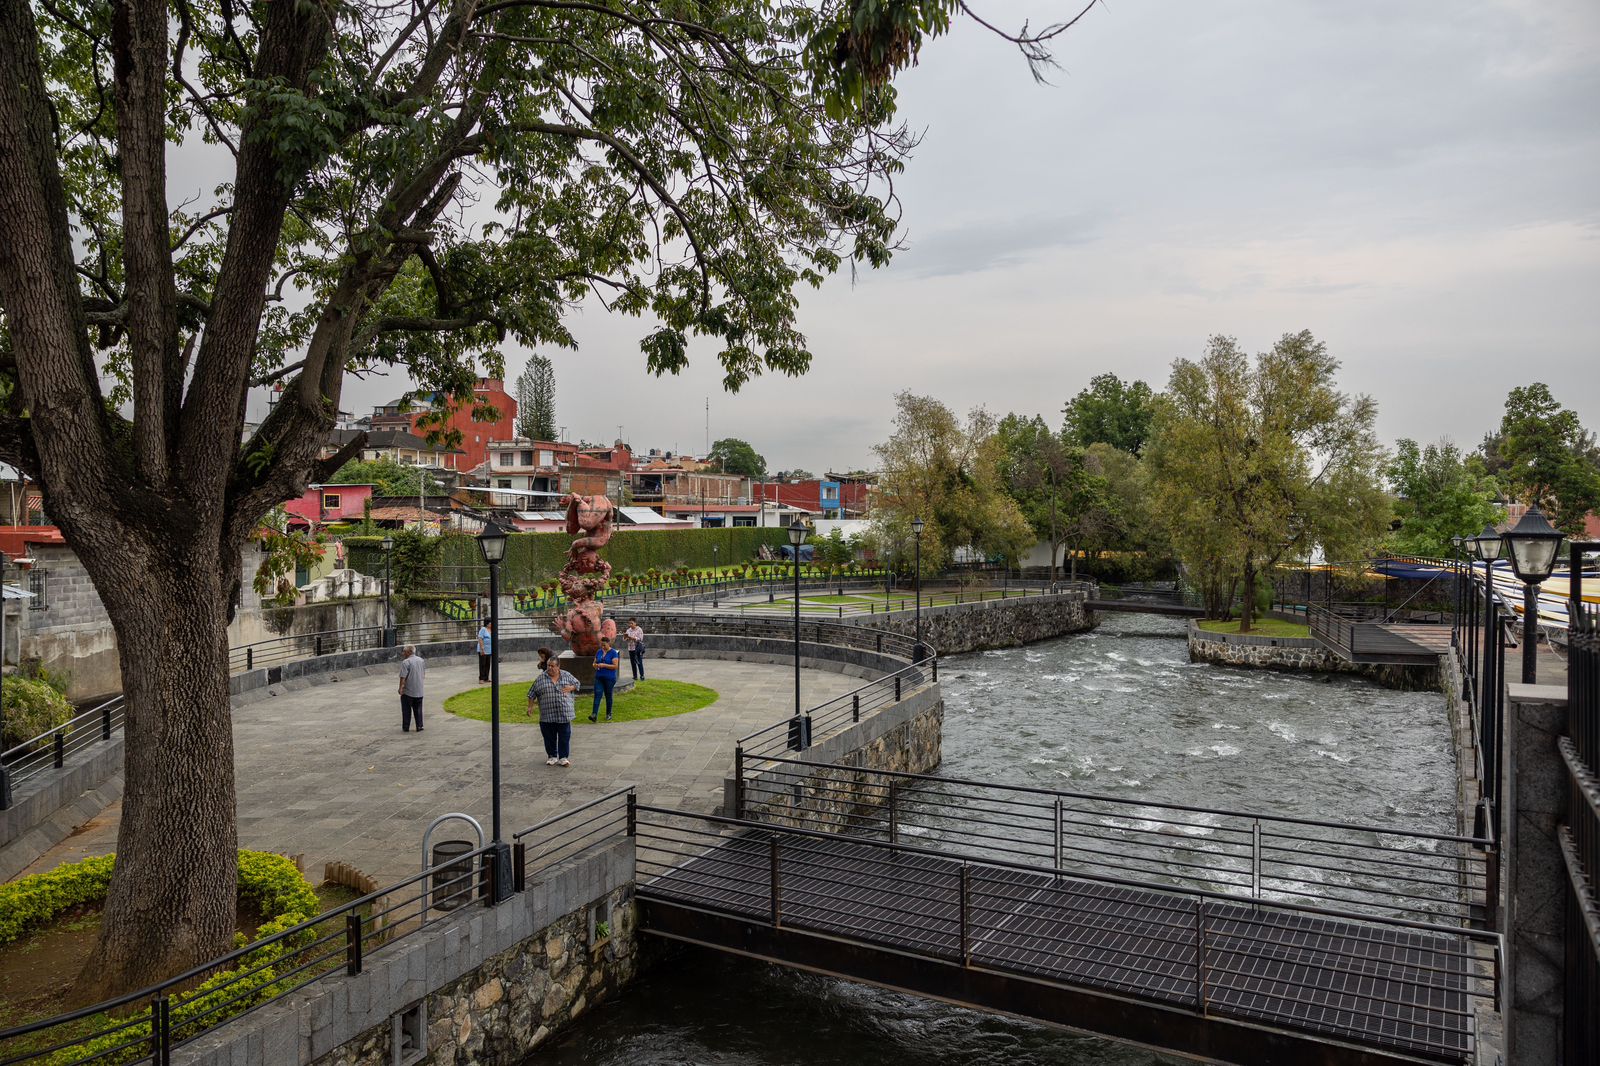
(39, 585)
(504, 483)
(742, 521)
(330, 501)
(527, 458)
(547, 457)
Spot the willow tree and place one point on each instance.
(404, 184)
(1254, 461)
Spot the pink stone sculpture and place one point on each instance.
(585, 574)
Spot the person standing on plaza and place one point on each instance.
(635, 635)
(605, 677)
(552, 691)
(485, 648)
(412, 669)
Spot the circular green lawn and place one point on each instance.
(647, 699)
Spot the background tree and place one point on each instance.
(1254, 463)
(536, 399)
(387, 477)
(1438, 497)
(409, 187)
(1110, 412)
(1143, 540)
(1548, 458)
(734, 456)
(947, 473)
(1065, 503)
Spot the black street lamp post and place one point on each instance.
(1486, 549)
(388, 572)
(1534, 545)
(492, 543)
(916, 531)
(797, 537)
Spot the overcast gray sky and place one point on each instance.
(1417, 183)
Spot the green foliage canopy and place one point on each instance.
(946, 472)
(1256, 460)
(387, 477)
(734, 456)
(1110, 412)
(1439, 497)
(1549, 458)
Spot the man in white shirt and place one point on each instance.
(412, 669)
(485, 648)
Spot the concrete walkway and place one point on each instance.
(326, 772)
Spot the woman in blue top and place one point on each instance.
(605, 677)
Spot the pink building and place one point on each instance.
(324, 504)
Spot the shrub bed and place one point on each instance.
(268, 883)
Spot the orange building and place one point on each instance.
(475, 436)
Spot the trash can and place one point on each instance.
(453, 884)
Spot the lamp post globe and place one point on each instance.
(492, 544)
(1533, 545)
(1486, 545)
(797, 537)
(387, 544)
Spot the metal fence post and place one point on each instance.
(105, 720)
(319, 644)
(161, 1031)
(633, 814)
(894, 821)
(966, 953)
(1200, 954)
(772, 850)
(249, 658)
(1255, 858)
(897, 688)
(60, 748)
(936, 668)
(1061, 858)
(519, 866)
(738, 781)
(352, 942)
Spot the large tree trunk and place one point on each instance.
(172, 901)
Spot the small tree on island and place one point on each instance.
(401, 192)
(1255, 462)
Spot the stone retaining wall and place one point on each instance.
(906, 737)
(953, 629)
(491, 986)
(1299, 654)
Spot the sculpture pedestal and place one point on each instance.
(582, 668)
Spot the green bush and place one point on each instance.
(268, 883)
(32, 707)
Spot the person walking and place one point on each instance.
(605, 677)
(552, 691)
(635, 635)
(412, 669)
(485, 649)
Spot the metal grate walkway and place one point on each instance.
(1385, 987)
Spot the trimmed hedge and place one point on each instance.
(269, 883)
(534, 558)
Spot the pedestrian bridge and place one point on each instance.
(1233, 936)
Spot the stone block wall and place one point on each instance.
(906, 737)
(493, 985)
(962, 627)
(1299, 654)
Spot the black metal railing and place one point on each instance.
(1480, 644)
(54, 748)
(1185, 948)
(598, 823)
(1579, 837)
(799, 732)
(150, 1023)
(1380, 871)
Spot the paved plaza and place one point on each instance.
(326, 772)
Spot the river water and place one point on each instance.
(1120, 711)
